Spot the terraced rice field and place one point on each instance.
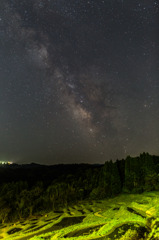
(125, 217)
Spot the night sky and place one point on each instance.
(79, 80)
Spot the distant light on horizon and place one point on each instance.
(5, 162)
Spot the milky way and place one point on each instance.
(78, 80)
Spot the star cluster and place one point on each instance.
(78, 80)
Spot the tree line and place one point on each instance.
(34, 189)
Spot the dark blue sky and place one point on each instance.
(79, 80)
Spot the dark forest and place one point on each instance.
(33, 189)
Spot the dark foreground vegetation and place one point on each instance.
(27, 190)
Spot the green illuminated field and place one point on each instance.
(127, 216)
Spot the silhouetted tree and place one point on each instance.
(109, 180)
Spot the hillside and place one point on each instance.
(128, 216)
